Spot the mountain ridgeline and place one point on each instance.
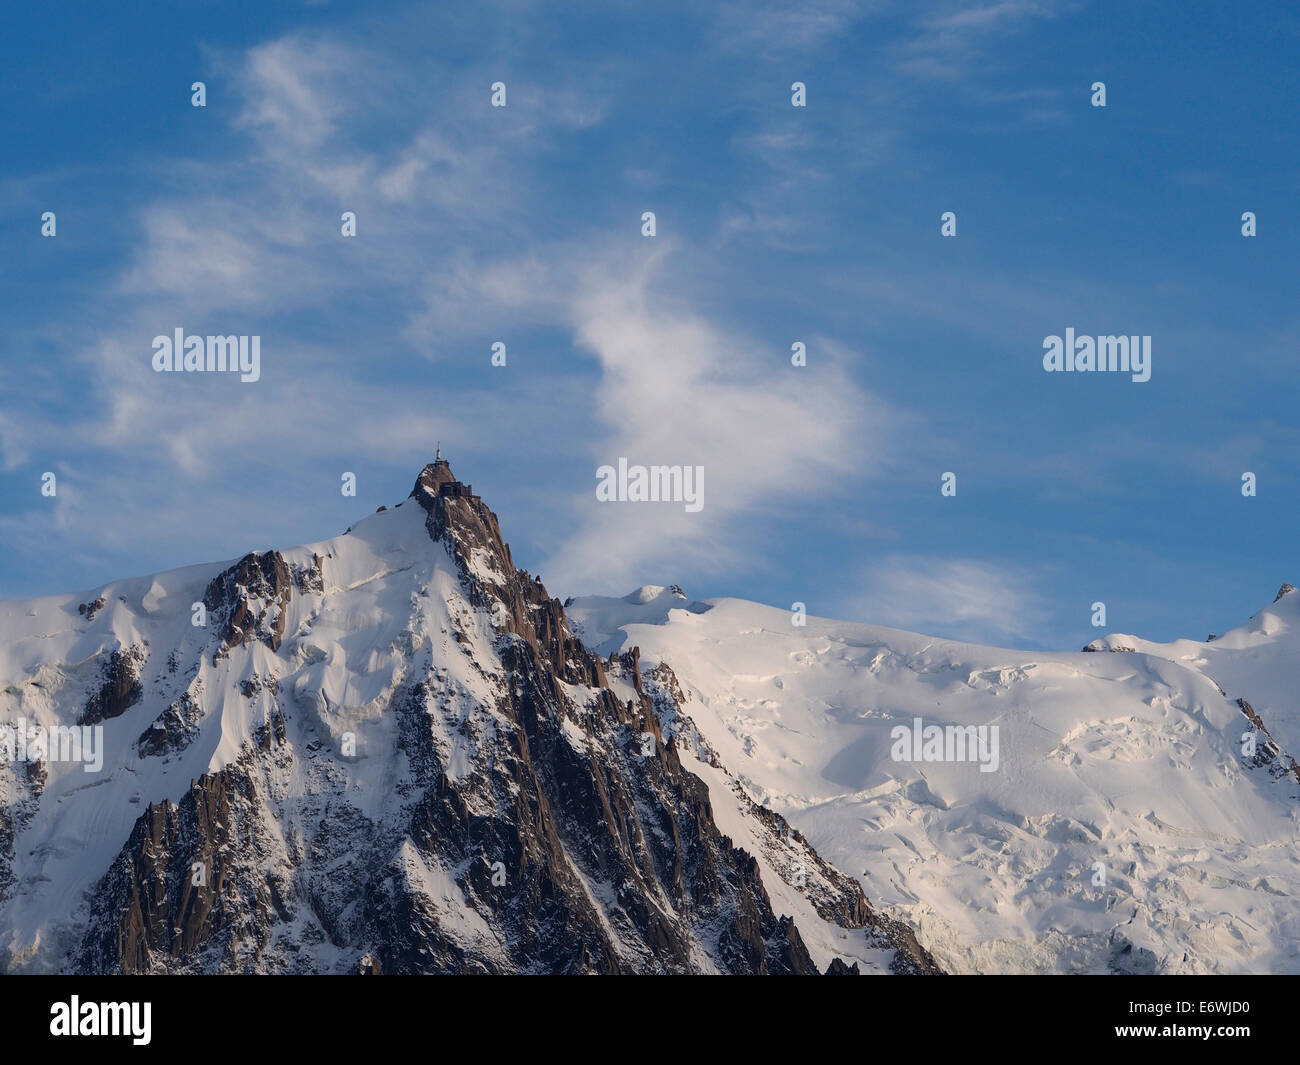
(389, 753)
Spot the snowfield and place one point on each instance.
(1124, 829)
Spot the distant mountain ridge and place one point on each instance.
(1145, 816)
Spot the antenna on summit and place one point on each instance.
(438, 456)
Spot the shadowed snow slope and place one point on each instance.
(1123, 830)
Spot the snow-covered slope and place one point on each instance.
(1258, 662)
(385, 752)
(601, 618)
(1122, 830)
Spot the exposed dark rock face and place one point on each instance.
(194, 889)
(174, 729)
(89, 610)
(120, 688)
(311, 579)
(1268, 753)
(248, 600)
(1286, 589)
(542, 821)
(8, 830)
(520, 605)
(20, 794)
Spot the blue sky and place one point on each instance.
(774, 224)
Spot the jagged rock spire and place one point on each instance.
(434, 476)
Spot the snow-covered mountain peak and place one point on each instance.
(1255, 661)
(599, 619)
(385, 751)
(648, 593)
(355, 740)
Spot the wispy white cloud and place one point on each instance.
(247, 242)
(254, 248)
(676, 388)
(293, 90)
(785, 27)
(951, 41)
(960, 599)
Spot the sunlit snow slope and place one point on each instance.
(1122, 766)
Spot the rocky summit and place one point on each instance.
(388, 752)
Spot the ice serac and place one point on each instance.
(389, 753)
